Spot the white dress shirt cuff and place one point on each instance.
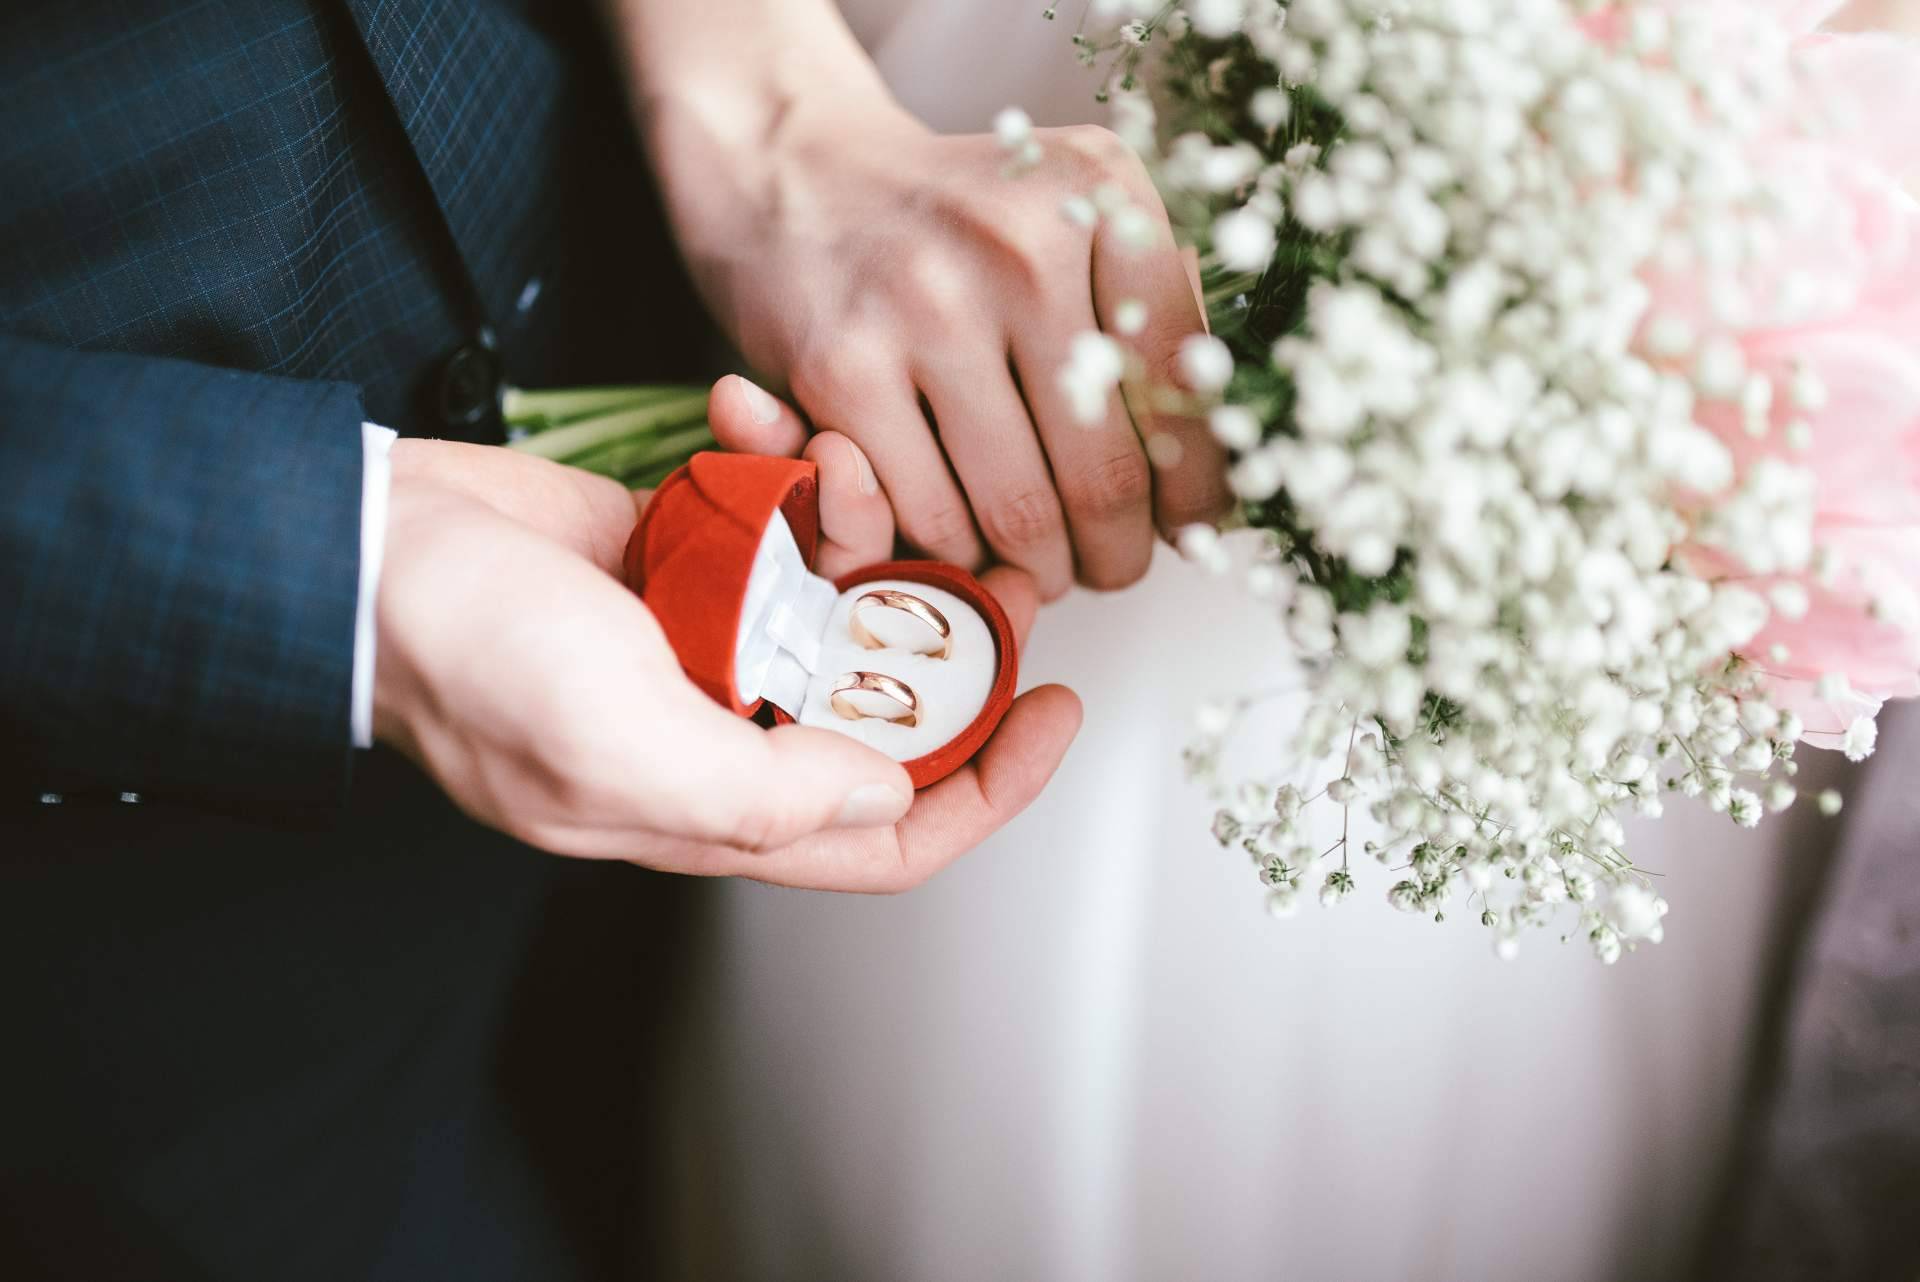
(376, 478)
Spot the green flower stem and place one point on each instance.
(563, 444)
(543, 410)
(642, 461)
(1220, 291)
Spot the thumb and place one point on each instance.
(756, 789)
(748, 419)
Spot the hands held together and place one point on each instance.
(933, 335)
(911, 294)
(519, 671)
(918, 304)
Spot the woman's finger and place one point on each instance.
(1189, 465)
(1018, 596)
(1099, 469)
(748, 419)
(991, 442)
(882, 415)
(856, 525)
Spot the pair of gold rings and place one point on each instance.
(875, 694)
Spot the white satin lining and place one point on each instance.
(781, 624)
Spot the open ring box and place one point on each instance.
(720, 556)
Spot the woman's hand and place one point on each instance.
(914, 296)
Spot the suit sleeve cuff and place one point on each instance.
(376, 479)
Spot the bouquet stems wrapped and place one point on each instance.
(634, 434)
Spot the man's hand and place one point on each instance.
(913, 296)
(518, 670)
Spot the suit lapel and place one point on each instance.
(479, 96)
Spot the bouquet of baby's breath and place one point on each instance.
(1569, 357)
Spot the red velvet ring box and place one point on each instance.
(720, 556)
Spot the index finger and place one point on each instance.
(856, 525)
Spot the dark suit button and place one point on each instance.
(469, 385)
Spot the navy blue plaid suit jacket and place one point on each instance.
(387, 1043)
(227, 231)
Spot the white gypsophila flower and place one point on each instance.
(1243, 240)
(1216, 19)
(1130, 317)
(1095, 365)
(1201, 545)
(1636, 912)
(1132, 118)
(1234, 426)
(1861, 735)
(1012, 128)
(1205, 363)
(1606, 944)
(1112, 10)
(1528, 266)
(1268, 108)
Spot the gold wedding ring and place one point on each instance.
(856, 688)
(908, 604)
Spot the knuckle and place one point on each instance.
(1109, 157)
(938, 292)
(754, 820)
(755, 828)
(1029, 240)
(944, 528)
(1034, 273)
(1114, 486)
(835, 374)
(564, 767)
(1024, 519)
(1101, 145)
(1159, 345)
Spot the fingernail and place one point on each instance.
(760, 405)
(869, 483)
(872, 805)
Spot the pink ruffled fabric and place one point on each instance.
(1853, 264)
